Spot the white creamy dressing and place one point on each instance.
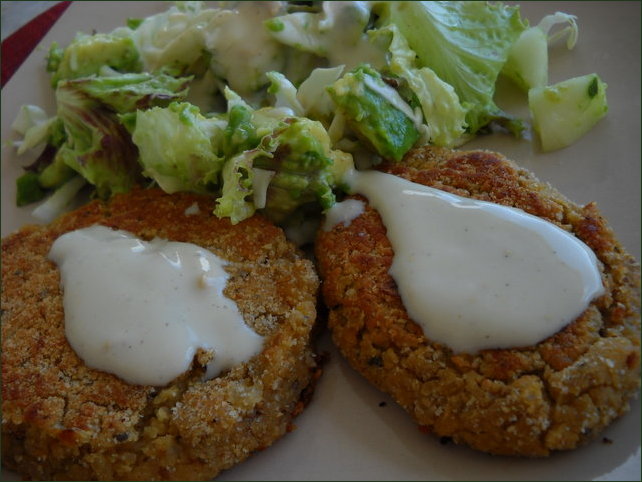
(477, 275)
(242, 47)
(343, 39)
(343, 212)
(141, 310)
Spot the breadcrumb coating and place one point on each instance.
(526, 401)
(62, 420)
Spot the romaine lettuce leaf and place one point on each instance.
(465, 43)
(297, 168)
(305, 168)
(236, 200)
(444, 116)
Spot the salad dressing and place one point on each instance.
(477, 275)
(343, 212)
(141, 310)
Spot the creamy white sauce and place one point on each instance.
(242, 48)
(343, 39)
(343, 212)
(477, 275)
(141, 310)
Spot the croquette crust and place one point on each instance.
(529, 401)
(62, 420)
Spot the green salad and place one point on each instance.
(265, 105)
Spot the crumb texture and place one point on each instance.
(62, 420)
(528, 401)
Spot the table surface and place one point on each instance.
(15, 14)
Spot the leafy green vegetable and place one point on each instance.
(293, 163)
(129, 92)
(178, 147)
(285, 93)
(376, 112)
(60, 200)
(55, 174)
(443, 114)
(312, 95)
(417, 73)
(235, 201)
(174, 38)
(303, 169)
(88, 54)
(336, 33)
(465, 43)
(32, 123)
(97, 145)
(564, 112)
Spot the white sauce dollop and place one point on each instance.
(477, 275)
(141, 310)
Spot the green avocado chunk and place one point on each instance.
(375, 112)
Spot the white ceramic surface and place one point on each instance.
(346, 433)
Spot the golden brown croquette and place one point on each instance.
(63, 420)
(529, 401)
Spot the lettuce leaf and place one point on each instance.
(298, 169)
(132, 91)
(179, 147)
(444, 116)
(88, 54)
(465, 43)
(97, 145)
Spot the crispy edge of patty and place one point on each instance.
(63, 420)
(527, 401)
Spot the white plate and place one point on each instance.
(346, 433)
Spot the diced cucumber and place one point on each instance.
(527, 62)
(564, 112)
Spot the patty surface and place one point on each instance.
(529, 401)
(63, 420)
